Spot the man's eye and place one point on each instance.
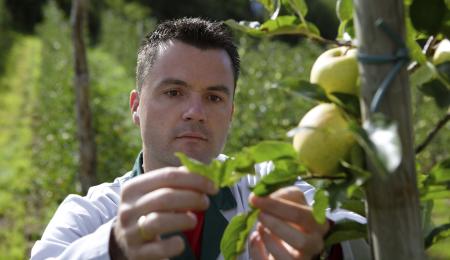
(173, 93)
(214, 98)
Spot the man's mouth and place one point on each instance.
(193, 136)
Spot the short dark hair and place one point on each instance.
(197, 32)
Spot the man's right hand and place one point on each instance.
(167, 198)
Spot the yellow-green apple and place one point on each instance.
(323, 139)
(336, 70)
(442, 53)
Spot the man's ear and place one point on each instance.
(134, 105)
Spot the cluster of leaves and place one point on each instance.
(340, 191)
(378, 137)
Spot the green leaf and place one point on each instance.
(268, 5)
(441, 172)
(275, 180)
(320, 205)
(439, 233)
(444, 70)
(345, 230)
(236, 234)
(422, 75)
(211, 171)
(248, 27)
(337, 192)
(359, 174)
(349, 103)
(346, 27)
(356, 206)
(362, 137)
(299, 6)
(422, 20)
(270, 150)
(223, 174)
(287, 24)
(426, 210)
(415, 51)
(344, 9)
(304, 89)
(439, 192)
(279, 26)
(438, 91)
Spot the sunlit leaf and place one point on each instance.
(280, 26)
(270, 150)
(439, 193)
(209, 171)
(299, 6)
(415, 51)
(249, 27)
(236, 234)
(275, 180)
(320, 205)
(344, 9)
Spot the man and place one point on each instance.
(186, 78)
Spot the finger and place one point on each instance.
(308, 244)
(161, 249)
(156, 224)
(274, 245)
(257, 249)
(168, 199)
(167, 177)
(295, 213)
(291, 193)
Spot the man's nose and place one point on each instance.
(195, 110)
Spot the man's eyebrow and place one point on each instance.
(172, 81)
(181, 83)
(220, 88)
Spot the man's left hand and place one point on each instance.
(286, 228)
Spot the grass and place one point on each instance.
(17, 85)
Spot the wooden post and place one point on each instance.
(87, 148)
(393, 205)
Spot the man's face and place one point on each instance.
(185, 105)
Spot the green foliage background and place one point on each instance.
(38, 148)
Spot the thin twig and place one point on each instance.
(433, 133)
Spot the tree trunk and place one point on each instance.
(393, 205)
(87, 148)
